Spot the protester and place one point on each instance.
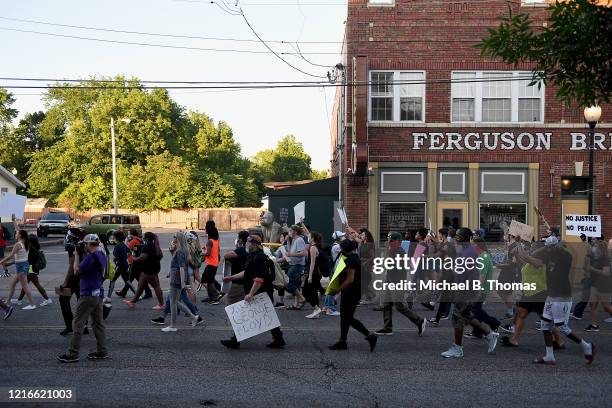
(558, 262)
(442, 249)
(312, 286)
(257, 278)
(283, 262)
(90, 271)
(211, 253)
(34, 259)
(330, 308)
(134, 246)
(120, 259)
(366, 252)
(195, 259)
(149, 261)
(297, 260)
(71, 284)
(178, 281)
(237, 258)
(349, 287)
(5, 236)
(20, 255)
(601, 278)
(395, 298)
(464, 301)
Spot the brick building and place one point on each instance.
(442, 137)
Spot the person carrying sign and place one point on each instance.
(347, 281)
(257, 277)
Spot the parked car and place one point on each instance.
(54, 222)
(106, 224)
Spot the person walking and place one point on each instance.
(297, 259)
(257, 278)
(20, 255)
(149, 260)
(34, 257)
(599, 269)
(348, 285)
(312, 286)
(395, 298)
(120, 258)
(90, 271)
(178, 281)
(211, 254)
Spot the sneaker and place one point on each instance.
(315, 314)
(372, 339)
(65, 332)
(231, 344)
(107, 300)
(332, 313)
(574, 317)
(169, 329)
(68, 358)
(428, 306)
(279, 305)
(422, 326)
(341, 345)
(195, 321)
(277, 344)
(472, 336)
(445, 317)
(46, 302)
(608, 320)
(492, 339)
(8, 312)
(29, 307)
(592, 328)
(433, 321)
(16, 302)
(453, 352)
(158, 307)
(199, 321)
(384, 332)
(158, 320)
(590, 357)
(508, 328)
(97, 356)
(541, 360)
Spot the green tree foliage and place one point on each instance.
(287, 162)
(573, 51)
(319, 174)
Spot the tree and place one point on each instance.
(319, 174)
(573, 51)
(287, 162)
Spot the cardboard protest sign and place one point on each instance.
(589, 225)
(226, 271)
(283, 215)
(334, 282)
(252, 318)
(342, 215)
(11, 203)
(518, 229)
(299, 211)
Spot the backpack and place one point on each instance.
(324, 262)
(105, 271)
(37, 259)
(195, 253)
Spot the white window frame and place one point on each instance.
(514, 96)
(396, 96)
(382, 182)
(504, 203)
(462, 173)
(505, 173)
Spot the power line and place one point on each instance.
(282, 3)
(180, 47)
(189, 37)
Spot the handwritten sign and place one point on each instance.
(284, 215)
(342, 215)
(589, 225)
(253, 318)
(518, 229)
(12, 204)
(299, 211)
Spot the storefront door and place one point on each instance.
(572, 207)
(452, 214)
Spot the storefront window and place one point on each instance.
(495, 218)
(400, 217)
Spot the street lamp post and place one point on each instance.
(591, 115)
(125, 120)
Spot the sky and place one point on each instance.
(259, 118)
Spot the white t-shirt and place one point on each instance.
(21, 255)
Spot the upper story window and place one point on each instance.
(535, 1)
(479, 96)
(381, 2)
(397, 96)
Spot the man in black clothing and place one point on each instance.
(350, 294)
(255, 281)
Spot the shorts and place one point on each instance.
(22, 267)
(295, 278)
(557, 310)
(462, 315)
(533, 304)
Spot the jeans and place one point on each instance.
(295, 278)
(330, 303)
(185, 301)
(175, 295)
(88, 306)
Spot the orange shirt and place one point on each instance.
(212, 258)
(135, 242)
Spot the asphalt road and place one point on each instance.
(190, 368)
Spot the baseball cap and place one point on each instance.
(91, 239)
(394, 236)
(550, 241)
(338, 234)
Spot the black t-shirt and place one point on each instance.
(254, 268)
(238, 263)
(354, 290)
(151, 265)
(558, 265)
